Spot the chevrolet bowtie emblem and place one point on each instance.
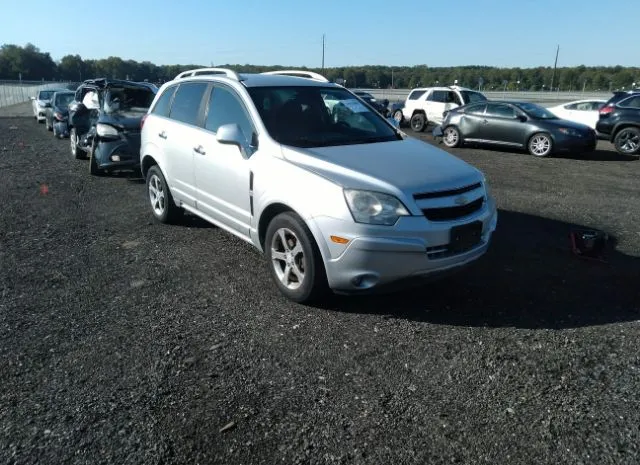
(462, 200)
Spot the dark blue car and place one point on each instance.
(105, 122)
(57, 114)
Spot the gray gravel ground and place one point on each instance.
(123, 341)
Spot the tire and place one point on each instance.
(93, 163)
(73, 145)
(306, 279)
(451, 137)
(398, 116)
(163, 207)
(418, 122)
(627, 141)
(540, 145)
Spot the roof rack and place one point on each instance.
(199, 71)
(298, 73)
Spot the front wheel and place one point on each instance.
(418, 122)
(294, 260)
(397, 115)
(540, 145)
(73, 145)
(451, 136)
(627, 141)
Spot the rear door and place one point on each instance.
(501, 125)
(436, 105)
(177, 133)
(222, 172)
(472, 122)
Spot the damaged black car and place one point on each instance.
(104, 122)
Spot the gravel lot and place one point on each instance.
(123, 341)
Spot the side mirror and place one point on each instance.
(47, 105)
(232, 134)
(521, 118)
(32, 98)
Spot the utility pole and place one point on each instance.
(555, 65)
(392, 77)
(322, 52)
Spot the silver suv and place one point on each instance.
(339, 200)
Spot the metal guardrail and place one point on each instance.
(15, 92)
(399, 95)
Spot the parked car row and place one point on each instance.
(466, 116)
(311, 174)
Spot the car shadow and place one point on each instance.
(600, 155)
(192, 221)
(529, 278)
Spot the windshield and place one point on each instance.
(63, 100)
(536, 111)
(128, 99)
(45, 94)
(319, 117)
(469, 96)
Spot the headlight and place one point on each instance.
(487, 188)
(104, 130)
(374, 207)
(570, 132)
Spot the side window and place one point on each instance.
(226, 108)
(632, 102)
(162, 106)
(452, 97)
(438, 96)
(186, 103)
(476, 109)
(416, 94)
(500, 111)
(572, 106)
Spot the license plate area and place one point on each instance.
(465, 237)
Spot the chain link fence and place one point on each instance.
(16, 92)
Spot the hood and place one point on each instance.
(563, 123)
(123, 119)
(409, 165)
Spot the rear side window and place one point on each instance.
(438, 96)
(163, 105)
(476, 109)
(416, 94)
(226, 108)
(186, 103)
(632, 102)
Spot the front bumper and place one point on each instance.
(414, 248)
(118, 154)
(575, 144)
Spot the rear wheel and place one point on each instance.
(540, 145)
(294, 260)
(163, 207)
(627, 141)
(418, 122)
(451, 136)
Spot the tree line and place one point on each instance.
(29, 63)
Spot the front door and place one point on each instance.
(502, 125)
(223, 171)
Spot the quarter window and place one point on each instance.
(163, 105)
(438, 96)
(416, 94)
(226, 108)
(476, 109)
(186, 103)
(632, 102)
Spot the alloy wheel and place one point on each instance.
(157, 195)
(288, 259)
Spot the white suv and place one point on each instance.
(427, 104)
(342, 202)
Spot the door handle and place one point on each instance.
(162, 135)
(199, 150)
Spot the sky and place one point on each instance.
(503, 33)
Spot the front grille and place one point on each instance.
(452, 213)
(447, 193)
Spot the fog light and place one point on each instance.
(115, 157)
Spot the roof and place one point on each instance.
(273, 78)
